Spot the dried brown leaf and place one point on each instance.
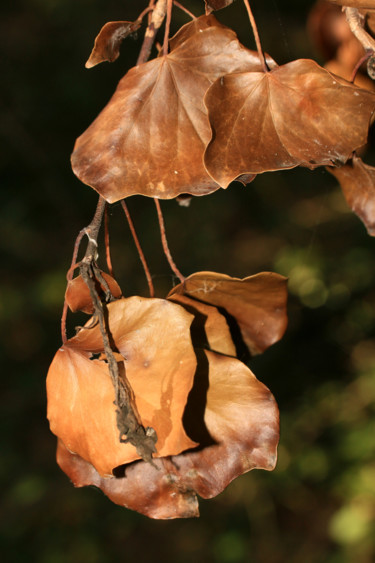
(357, 181)
(153, 338)
(108, 41)
(151, 136)
(217, 4)
(296, 114)
(257, 303)
(361, 4)
(242, 421)
(78, 297)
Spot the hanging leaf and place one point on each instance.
(126, 149)
(361, 4)
(297, 114)
(108, 41)
(242, 421)
(257, 303)
(198, 25)
(217, 4)
(357, 181)
(154, 353)
(78, 297)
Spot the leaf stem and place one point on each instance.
(139, 249)
(256, 35)
(106, 241)
(178, 5)
(164, 241)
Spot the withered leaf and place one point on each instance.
(242, 418)
(217, 4)
(153, 338)
(355, 3)
(357, 181)
(108, 41)
(78, 297)
(296, 114)
(257, 303)
(151, 136)
(195, 26)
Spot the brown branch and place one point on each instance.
(256, 35)
(356, 23)
(128, 424)
(139, 249)
(165, 243)
(90, 231)
(157, 19)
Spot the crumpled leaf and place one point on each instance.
(108, 41)
(242, 419)
(357, 181)
(78, 297)
(257, 303)
(297, 114)
(126, 149)
(217, 4)
(158, 360)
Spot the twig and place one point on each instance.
(165, 243)
(86, 231)
(256, 36)
(130, 428)
(157, 19)
(139, 249)
(356, 23)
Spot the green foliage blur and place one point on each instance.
(319, 504)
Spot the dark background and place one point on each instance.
(318, 505)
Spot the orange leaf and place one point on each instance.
(357, 181)
(242, 420)
(108, 41)
(153, 338)
(296, 114)
(78, 297)
(151, 136)
(257, 303)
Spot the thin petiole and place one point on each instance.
(164, 242)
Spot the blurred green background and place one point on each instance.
(318, 505)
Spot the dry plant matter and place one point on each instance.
(151, 400)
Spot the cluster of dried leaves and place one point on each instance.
(213, 419)
(226, 119)
(158, 406)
